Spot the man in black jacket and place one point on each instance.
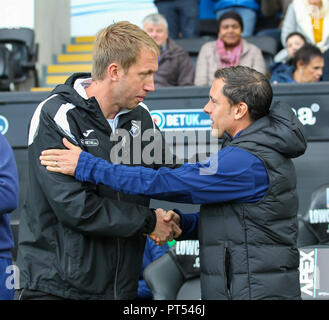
(77, 241)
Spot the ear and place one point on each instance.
(241, 110)
(113, 71)
(299, 64)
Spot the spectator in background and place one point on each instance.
(175, 67)
(152, 252)
(294, 41)
(284, 59)
(325, 76)
(228, 50)
(247, 9)
(309, 17)
(182, 17)
(307, 67)
(8, 203)
(272, 9)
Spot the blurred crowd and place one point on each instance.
(300, 28)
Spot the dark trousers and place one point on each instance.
(182, 17)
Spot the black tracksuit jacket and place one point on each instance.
(77, 240)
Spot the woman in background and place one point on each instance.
(307, 67)
(294, 42)
(227, 51)
(309, 17)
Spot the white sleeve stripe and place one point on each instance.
(34, 125)
(142, 104)
(61, 118)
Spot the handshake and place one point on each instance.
(166, 228)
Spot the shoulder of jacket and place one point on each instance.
(144, 111)
(297, 7)
(175, 50)
(247, 46)
(210, 44)
(146, 114)
(50, 103)
(144, 108)
(55, 103)
(209, 48)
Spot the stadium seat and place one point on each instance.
(193, 45)
(176, 275)
(4, 67)
(208, 27)
(268, 45)
(23, 55)
(314, 225)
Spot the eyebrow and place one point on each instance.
(223, 24)
(212, 99)
(147, 72)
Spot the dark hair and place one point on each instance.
(306, 53)
(230, 15)
(243, 84)
(295, 33)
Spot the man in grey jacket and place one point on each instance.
(175, 65)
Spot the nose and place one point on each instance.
(153, 34)
(206, 108)
(320, 72)
(149, 85)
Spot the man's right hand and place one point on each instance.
(166, 228)
(172, 215)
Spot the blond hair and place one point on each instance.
(120, 42)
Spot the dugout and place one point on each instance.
(179, 109)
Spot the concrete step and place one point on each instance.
(83, 39)
(55, 79)
(78, 48)
(74, 57)
(41, 89)
(68, 68)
